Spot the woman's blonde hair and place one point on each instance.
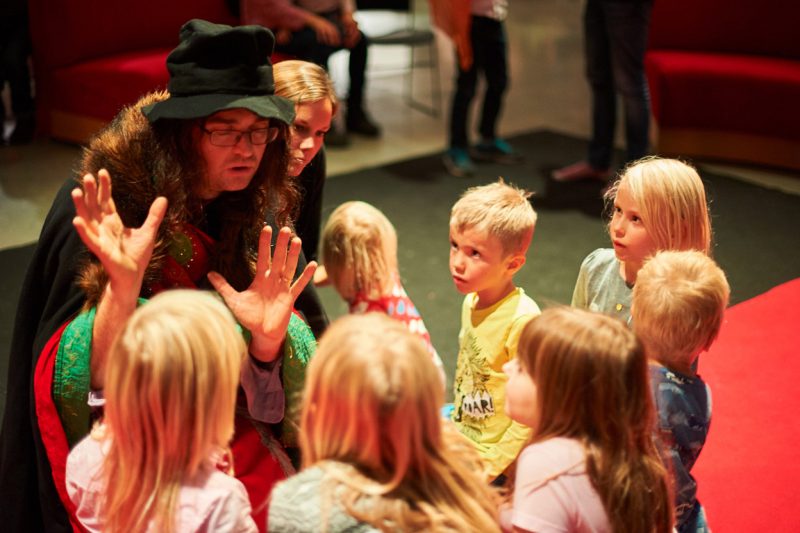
(303, 82)
(371, 420)
(672, 202)
(679, 301)
(171, 385)
(592, 385)
(359, 250)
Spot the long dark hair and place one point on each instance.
(162, 159)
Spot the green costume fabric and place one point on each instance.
(296, 355)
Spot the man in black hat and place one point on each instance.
(174, 193)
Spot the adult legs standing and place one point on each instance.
(615, 41)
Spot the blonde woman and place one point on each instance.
(160, 460)
(658, 204)
(375, 453)
(359, 250)
(580, 382)
(309, 87)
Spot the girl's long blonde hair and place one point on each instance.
(592, 385)
(359, 250)
(371, 420)
(171, 384)
(672, 201)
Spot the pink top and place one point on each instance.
(214, 502)
(554, 493)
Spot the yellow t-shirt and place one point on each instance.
(487, 340)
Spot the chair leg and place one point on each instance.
(432, 64)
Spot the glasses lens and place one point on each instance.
(224, 137)
(259, 136)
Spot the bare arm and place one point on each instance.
(124, 253)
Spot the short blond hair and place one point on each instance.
(370, 419)
(171, 383)
(304, 82)
(359, 250)
(501, 209)
(678, 304)
(672, 202)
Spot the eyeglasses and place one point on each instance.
(232, 137)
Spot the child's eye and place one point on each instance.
(453, 245)
(476, 253)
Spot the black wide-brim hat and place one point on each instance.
(217, 67)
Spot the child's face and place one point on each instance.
(478, 263)
(632, 243)
(520, 394)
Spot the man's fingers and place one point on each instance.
(86, 234)
(90, 197)
(104, 191)
(264, 258)
(222, 286)
(279, 257)
(302, 281)
(155, 216)
(79, 200)
(291, 260)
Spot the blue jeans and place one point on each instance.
(615, 34)
(489, 56)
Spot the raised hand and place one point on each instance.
(265, 307)
(124, 252)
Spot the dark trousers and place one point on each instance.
(489, 52)
(304, 45)
(615, 39)
(14, 51)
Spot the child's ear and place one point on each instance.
(515, 262)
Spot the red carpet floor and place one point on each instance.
(749, 470)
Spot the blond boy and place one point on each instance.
(677, 308)
(490, 230)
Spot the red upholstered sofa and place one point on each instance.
(92, 57)
(725, 79)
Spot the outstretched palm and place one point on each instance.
(124, 252)
(265, 307)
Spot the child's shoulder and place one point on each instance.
(526, 304)
(553, 456)
(601, 257)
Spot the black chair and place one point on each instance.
(408, 34)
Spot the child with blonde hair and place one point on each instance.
(376, 454)
(491, 228)
(679, 301)
(155, 463)
(359, 253)
(580, 381)
(658, 204)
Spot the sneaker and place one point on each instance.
(580, 171)
(497, 151)
(458, 163)
(359, 122)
